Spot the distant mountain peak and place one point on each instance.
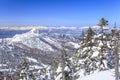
(34, 31)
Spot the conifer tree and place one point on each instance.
(24, 70)
(90, 34)
(64, 70)
(115, 51)
(103, 22)
(84, 61)
(103, 51)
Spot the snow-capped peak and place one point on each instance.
(25, 36)
(34, 31)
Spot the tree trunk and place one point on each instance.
(63, 64)
(116, 60)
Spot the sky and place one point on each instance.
(58, 12)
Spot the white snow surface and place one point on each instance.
(100, 44)
(59, 70)
(36, 67)
(95, 54)
(75, 45)
(32, 59)
(103, 75)
(3, 65)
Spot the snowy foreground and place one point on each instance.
(103, 75)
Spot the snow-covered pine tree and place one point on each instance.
(92, 53)
(115, 51)
(110, 56)
(64, 70)
(88, 54)
(24, 75)
(54, 66)
(50, 73)
(103, 22)
(84, 58)
(103, 45)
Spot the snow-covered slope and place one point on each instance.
(38, 45)
(103, 75)
(42, 41)
(31, 39)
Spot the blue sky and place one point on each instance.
(58, 12)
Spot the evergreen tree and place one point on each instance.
(103, 45)
(90, 34)
(92, 54)
(103, 22)
(64, 70)
(115, 51)
(84, 59)
(24, 70)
